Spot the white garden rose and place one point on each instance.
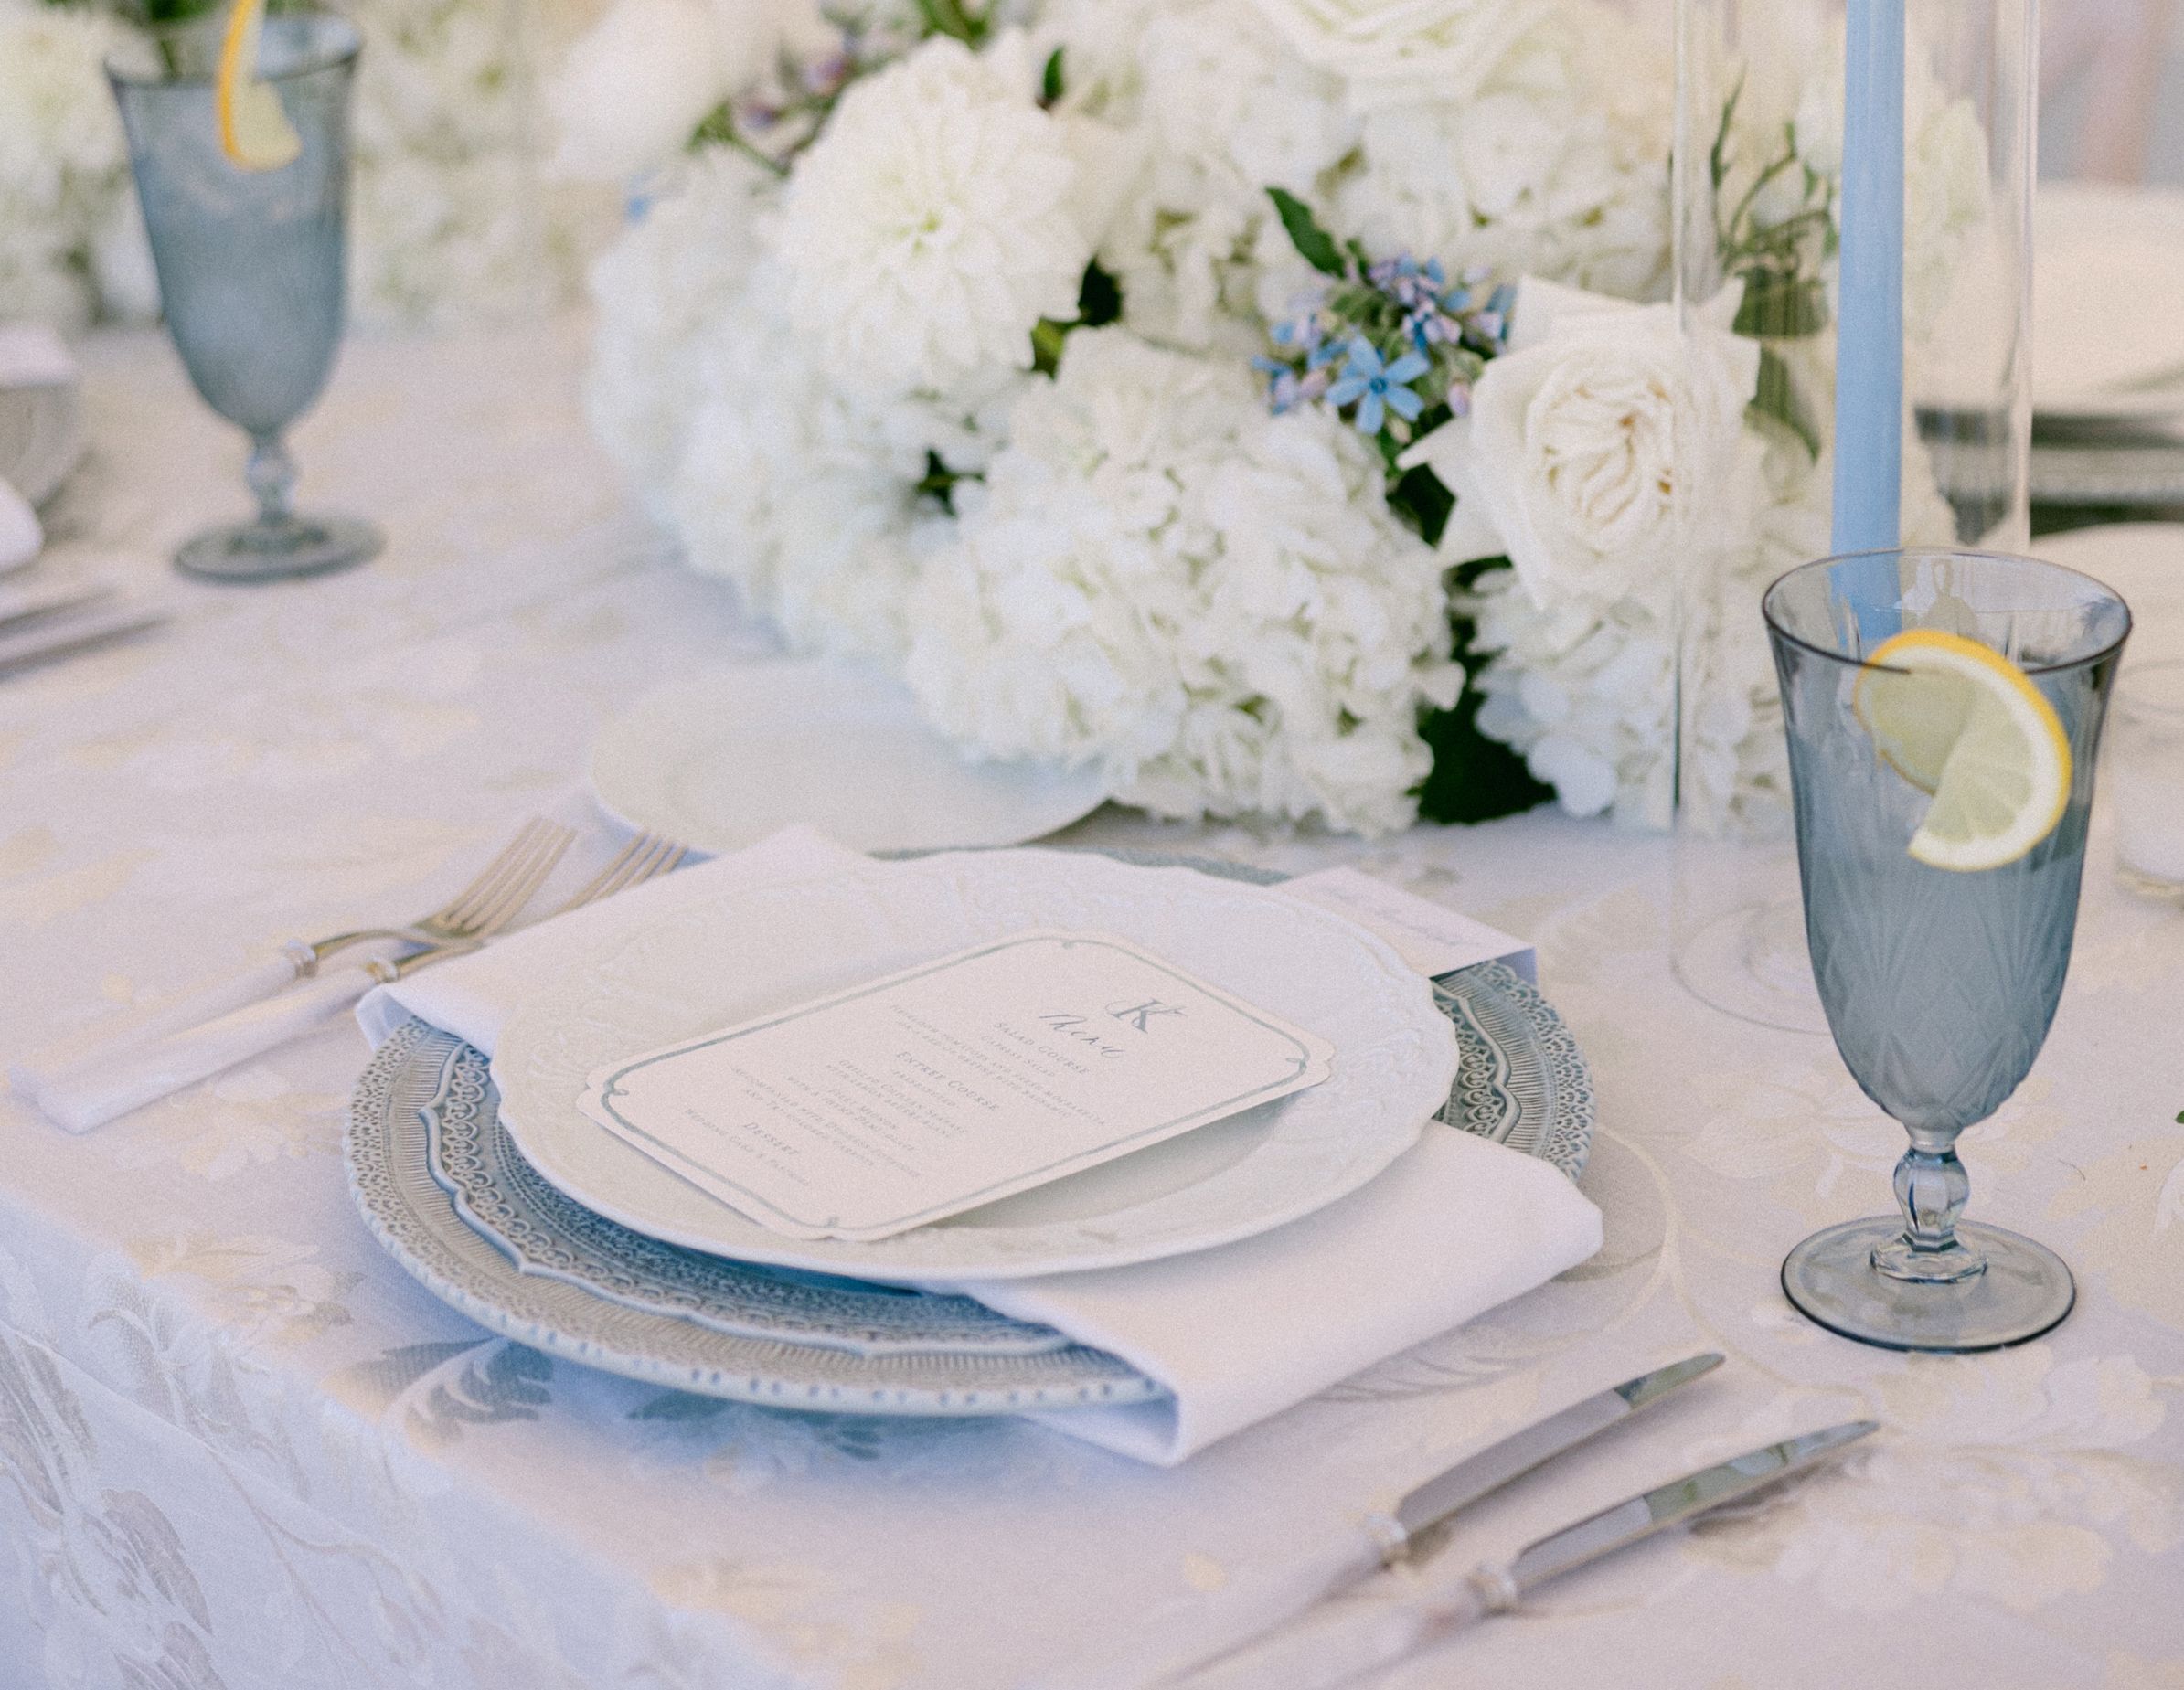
(1591, 440)
(1385, 49)
(1214, 605)
(934, 222)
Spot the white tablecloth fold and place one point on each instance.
(1455, 1226)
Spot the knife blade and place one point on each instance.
(1344, 1640)
(1668, 1504)
(1512, 1457)
(73, 642)
(16, 613)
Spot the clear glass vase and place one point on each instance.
(1777, 197)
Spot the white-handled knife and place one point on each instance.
(1393, 1535)
(1420, 1603)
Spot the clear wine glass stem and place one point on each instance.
(1931, 1188)
(273, 477)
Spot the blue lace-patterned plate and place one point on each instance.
(448, 1195)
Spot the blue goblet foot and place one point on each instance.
(261, 551)
(2020, 1289)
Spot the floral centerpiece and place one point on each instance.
(1267, 401)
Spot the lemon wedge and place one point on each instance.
(255, 132)
(1958, 719)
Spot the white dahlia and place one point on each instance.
(934, 222)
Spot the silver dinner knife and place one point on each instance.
(1394, 1534)
(1354, 1635)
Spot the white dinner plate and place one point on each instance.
(2107, 303)
(722, 760)
(762, 948)
(2144, 562)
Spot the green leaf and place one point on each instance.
(939, 481)
(1314, 244)
(1778, 401)
(947, 17)
(1781, 306)
(1047, 336)
(1420, 499)
(1099, 298)
(1050, 80)
(1473, 779)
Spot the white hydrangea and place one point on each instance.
(1213, 604)
(675, 271)
(64, 180)
(934, 222)
(448, 219)
(1223, 113)
(1554, 165)
(805, 495)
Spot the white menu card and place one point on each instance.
(952, 1084)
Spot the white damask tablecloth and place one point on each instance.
(239, 1448)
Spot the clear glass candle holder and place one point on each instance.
(1763, 180)
(2146, 765)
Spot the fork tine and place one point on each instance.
(664, 855)
(450, 914)
(645, 858)
(515, 890)
(521, 874)
(605, 880)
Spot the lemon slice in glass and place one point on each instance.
(255, 132)
(1958, 719)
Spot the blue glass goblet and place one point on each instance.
(1939, 984)
(252, 268)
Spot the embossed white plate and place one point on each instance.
(721, 760)
(765, 948)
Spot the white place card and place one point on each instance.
(952, 1084)
(1431, 938)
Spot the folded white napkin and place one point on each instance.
(1455, 1226)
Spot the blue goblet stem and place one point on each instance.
(1931, 1189)
(271, 473)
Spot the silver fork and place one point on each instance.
(85, 1096)
(488, 903)
(643, 858)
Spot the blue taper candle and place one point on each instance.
(1868, 369)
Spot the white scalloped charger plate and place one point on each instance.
(722, 760)
(766, 948)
